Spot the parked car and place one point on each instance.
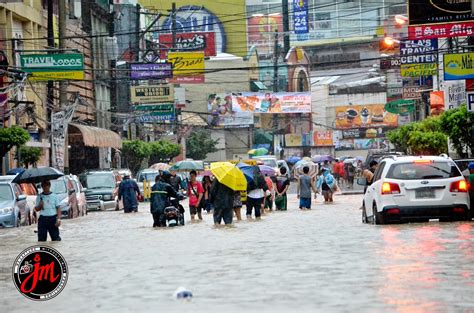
(377, 155)
(64, 189)
(80, 195)
(7, 178)
(463, 164)
(101, 189)
(14, 209)
(148, 175)
(416, 189)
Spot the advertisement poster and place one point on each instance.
(146, 71)
(152, 94)
(221, 114)
(418, 51)
(436, 102)
(293, 140)
(280, 102)
(364, 116)
(360, 133)
(459, 66)
(454, 93)
(190, 41)
(412, 70)
(300, 16)
(441, 30)
(323, 138)
(438, 11)
(188, 67)
(261, 32)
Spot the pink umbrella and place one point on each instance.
(266, 170)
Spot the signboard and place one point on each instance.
(147, 94)
(300, 16)
(389, 63)
(279, 102)
(53, 66)
(441, 30)
(221, 114)
(167, 108)
(147, 71)
(436, 102)
(400, 106)
(356, 133)
(470, 101)
(411, 92)
(261, 32)
(459, 66)
(188, 67)
(293, 140)
(412, 70)
(438, 11)
(156, 113)
(190, 41)
(418, 51)
(151, 118)
(454, 93)
(364, 116)
(323, 138)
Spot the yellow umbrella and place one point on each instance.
(228, 174)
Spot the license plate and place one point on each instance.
(426, 193)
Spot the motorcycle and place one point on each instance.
(174, 214)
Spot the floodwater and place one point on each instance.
(324, 260)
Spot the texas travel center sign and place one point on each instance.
(53, 66)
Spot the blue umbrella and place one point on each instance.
(293, 159)
(15, 171)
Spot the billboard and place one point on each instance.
(323, 138)
(438, 11)
(146, 71)
(300, 16)
(221, 113)
(364, 116)
(441, 30)
(261, 32)
(188, 67)
(360, 133)
(422, 69)
(53, 66)
(418, 51)
(278, 102)
(150, 94)
(190, 41)
(459, 66)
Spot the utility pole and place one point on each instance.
(276, 54)
(50, 86)
(173, 24)
(286, 26)
(62, 46)
(113, 66)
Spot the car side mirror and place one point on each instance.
(362, 181)
(21, 198)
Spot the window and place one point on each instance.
(379, 171)
(432, 170)
(6, 192)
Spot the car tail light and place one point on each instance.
(390, 188)
(459, 186)
(458, 210)
(422, 161)
(393, 211)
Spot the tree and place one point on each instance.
(399, 137)
(163, 151)
(457, 124)
(11, 137)
(199, 144)
(135, 152)
(29, 155)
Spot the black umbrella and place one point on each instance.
(37, 175)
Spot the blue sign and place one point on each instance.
(300, 16)
(470, 101)
(418, 51)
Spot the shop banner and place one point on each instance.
(261, 32)
(188, 67)
(323, 138)
(364, 116)
(436, 102)
(454, 93)
(151, 94)
(356, 133)
(293, 140)
(53, 66)
(59, 126)
(459, 66)
(418, 51)
(412, 92)
(221, 113)
(279, 102)
(187, 42)
(144, 71)
(401, 106)
(438, 11)
(412, 70)
(441, 30)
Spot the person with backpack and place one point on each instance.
(326, 184)
(256, 194)
(195, 194)
(269, 194)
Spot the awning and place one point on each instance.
(95, 136)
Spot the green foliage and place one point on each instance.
(135, 152)
(163, 151)
(199, 144)
(11, 137)
(457, 124)
(29, 155)
(399, 137)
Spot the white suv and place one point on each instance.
(413, 188)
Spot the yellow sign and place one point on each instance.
(293, 140)
(73, 75)
(459, 66)
(152, 94)
(187, 63)
(415, 70)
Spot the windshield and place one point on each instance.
(58, 186)
(269, 162)
(413, 171)
(5, 193)
(97, 181)
(147, 177)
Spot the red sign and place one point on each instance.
(441, 30)
(194, 79)
(469, 84)
(197, 41)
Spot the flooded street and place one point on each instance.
(324, 260)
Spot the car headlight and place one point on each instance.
(107, 197)
(6, 210)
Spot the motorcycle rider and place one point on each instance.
(160, 198)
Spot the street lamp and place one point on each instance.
(401, 19)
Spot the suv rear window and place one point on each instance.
(413, 171)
